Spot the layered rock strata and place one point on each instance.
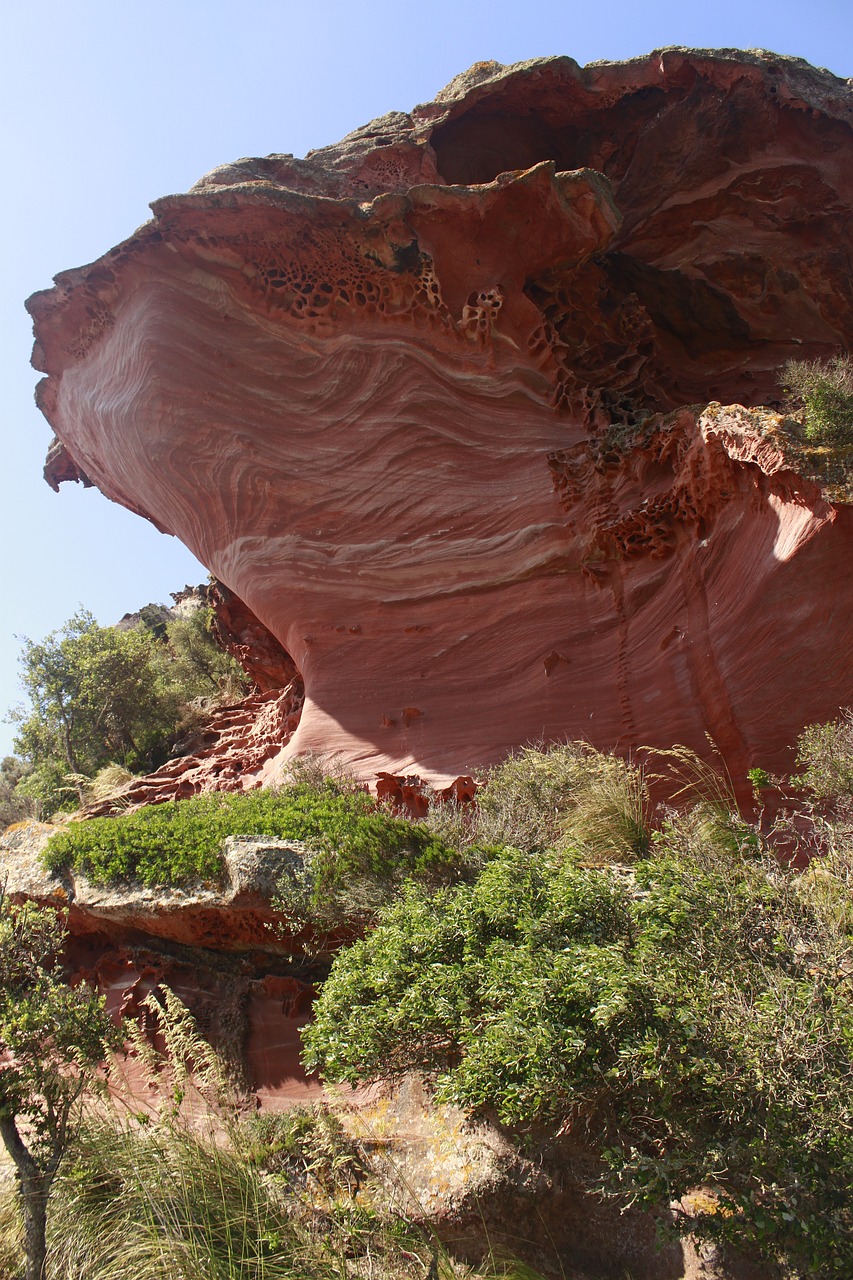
(248, 983)
(416, 400)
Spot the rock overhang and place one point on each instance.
(355, 385)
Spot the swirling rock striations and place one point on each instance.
(417, 400)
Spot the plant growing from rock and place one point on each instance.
(824, 390)
(354, 841)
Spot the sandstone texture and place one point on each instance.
(248, 984)
(418, 400)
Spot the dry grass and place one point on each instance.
(11, 1250)
(283, 1197)
(568, 797)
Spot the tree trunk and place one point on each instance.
(34, 1213)
(71, 759)
(33, 1191)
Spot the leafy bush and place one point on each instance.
(189, 662)
(180, 842)
(15, 804)
(694, 1016)
(824, 389)
(825, 756)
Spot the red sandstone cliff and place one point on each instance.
(416, 400)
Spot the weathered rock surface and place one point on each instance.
(415, 400)
(249, 985)
(474, 1186)
(231, 752)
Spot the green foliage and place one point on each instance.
(101, 696)
(825, 756)
(189, 664)
(169, 844)
(52, 1038)
(180, 842)
(15, 805)
(695, 1016)
(51, 1034)
(825, 391)
(90, 686)
(308, 1146)
(92, 699)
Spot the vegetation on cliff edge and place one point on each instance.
(690, 1016)
(100, 696)
(352, 841)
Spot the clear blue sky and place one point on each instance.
(106, 106)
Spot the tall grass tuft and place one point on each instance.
(11, 1234)
(564, 796)
(609, 819)
(166, 1202)
(224, 1197)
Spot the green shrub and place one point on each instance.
(180, 842)
(695, 1017)
(824, 389)
(825, 756)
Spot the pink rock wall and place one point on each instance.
(377, 392)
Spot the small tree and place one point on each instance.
(52, 1038)
(102, 695)
(14, 803)
(191, 664)
(93, 699)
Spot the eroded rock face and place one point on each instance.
(248, 984)
(232, 751)
(415, 400)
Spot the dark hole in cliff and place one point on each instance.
(702, 319)
(497, 137)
